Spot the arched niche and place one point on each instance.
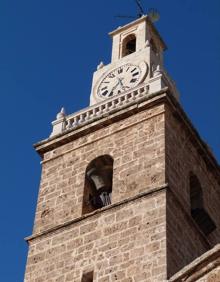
(129, 45)
(98, 184)
(198, 211)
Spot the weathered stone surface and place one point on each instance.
(147, 234)
(137, 147)
(128, 248)
(185, 154)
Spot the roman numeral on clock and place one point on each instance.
(120, 70)
(111, 75)
(134, 69)
(136, 73)
(105, 93)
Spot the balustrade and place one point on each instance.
(107, 106)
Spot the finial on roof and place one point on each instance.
(100, 66)
(147, 43)
(61, 114)
(157, 71)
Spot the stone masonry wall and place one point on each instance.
(182, 156)
(184, 241)
(137, 147)
(121, 243)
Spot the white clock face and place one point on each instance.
(119, 80)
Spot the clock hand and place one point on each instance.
(113, 88)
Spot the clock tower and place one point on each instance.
(129, 191)
(137, 57)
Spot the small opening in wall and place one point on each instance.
(87, 277)
(129, 45)
(198, 212)
(98, 184)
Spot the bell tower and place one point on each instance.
(129, 191)
(137, 57)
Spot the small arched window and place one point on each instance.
(98, 184)
(198, 212)
(129, 45)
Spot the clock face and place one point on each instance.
(119, 80)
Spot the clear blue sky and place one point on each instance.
(48, 52)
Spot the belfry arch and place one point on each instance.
(198, 211)
(129, 45)
(98, 184)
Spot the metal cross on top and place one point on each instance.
(152, 13)
(140, 8)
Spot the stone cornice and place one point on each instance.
(146, 101)
(128, 108)
(148, 193)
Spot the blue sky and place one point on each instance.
(48, 52)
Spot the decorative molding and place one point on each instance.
(149, 193)
(106, 107)
(89, 114)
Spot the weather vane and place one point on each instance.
(152, 13)
(140, 8)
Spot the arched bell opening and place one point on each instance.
(198, 212)
(98, 184)
(129, 45)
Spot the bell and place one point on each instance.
(96, 179)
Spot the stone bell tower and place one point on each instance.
(129, 191)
